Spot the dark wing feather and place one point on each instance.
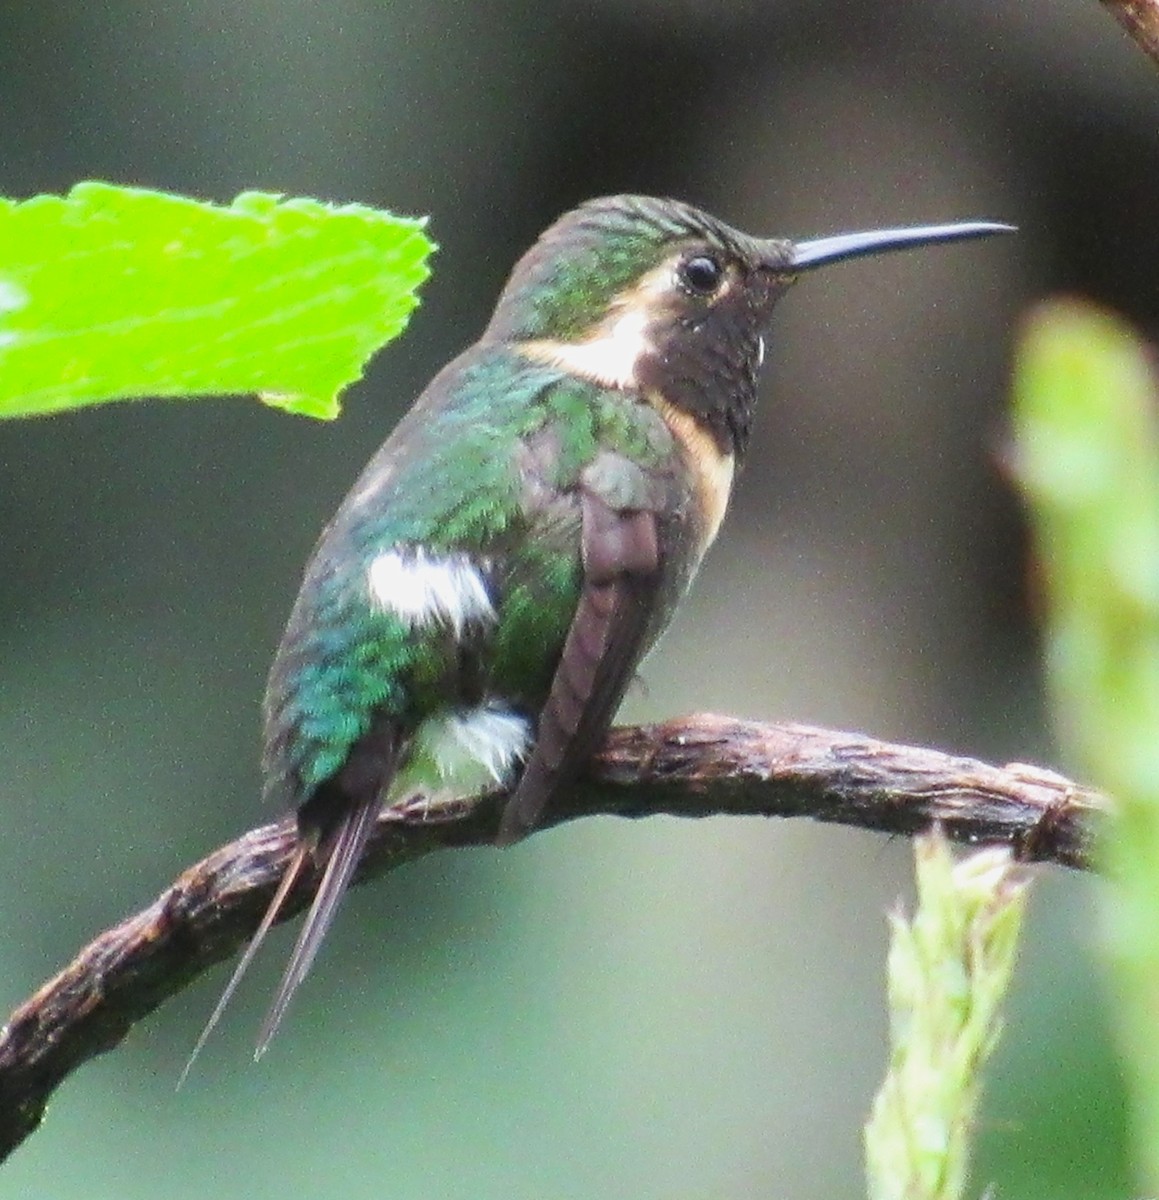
(349, 840)
(338, 819)
(345, 850)
(289, 878)
(333, 828)
(621, 558)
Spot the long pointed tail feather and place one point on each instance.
(293, 870)
(348, 844)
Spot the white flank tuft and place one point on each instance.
(458, 755)
(488, 739)
(423, 589)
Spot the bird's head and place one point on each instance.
(655, 296)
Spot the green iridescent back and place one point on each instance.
(452, 477)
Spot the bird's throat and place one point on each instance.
(712, 468)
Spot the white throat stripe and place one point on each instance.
(609, 358)
(610, 354)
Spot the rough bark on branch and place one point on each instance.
(694, 767)
(1140, 18)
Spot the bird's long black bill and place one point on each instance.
(823, 251)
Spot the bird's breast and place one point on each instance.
(712, 468)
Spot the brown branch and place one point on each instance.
(695, 767)
(1140, 18)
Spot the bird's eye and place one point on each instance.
(701, 274)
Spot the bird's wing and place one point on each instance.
(621, 557)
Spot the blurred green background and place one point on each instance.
(651, 1009)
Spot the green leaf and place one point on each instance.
(1087, 457)
(113, 292)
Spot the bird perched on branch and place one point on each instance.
(473, 613)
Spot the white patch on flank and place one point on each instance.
(609, 357)
(488, 740)
(761, 350)
(423, 589)
(12, 296)
(458, 755)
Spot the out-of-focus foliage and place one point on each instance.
(114, 292)
(949, 969)
(1087, 456)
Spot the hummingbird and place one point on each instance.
(473, 613)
